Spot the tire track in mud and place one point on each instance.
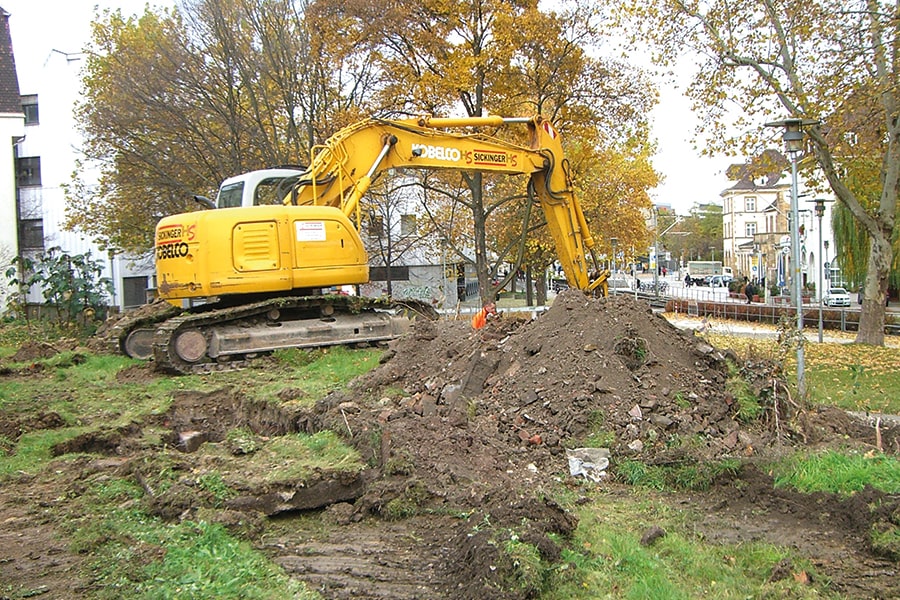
(366, 561)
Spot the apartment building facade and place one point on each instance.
(756, 213)
(44, 153)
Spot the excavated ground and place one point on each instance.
(466, 427)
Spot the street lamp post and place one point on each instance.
(614, 242)
(820, 212)
(793, 143)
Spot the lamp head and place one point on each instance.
(793, 133)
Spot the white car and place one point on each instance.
(837, 296)
(720, 280)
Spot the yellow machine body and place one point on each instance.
(237, 251)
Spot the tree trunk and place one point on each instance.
(540, 288)
(485, 287)
(529, 295)
(871, 319)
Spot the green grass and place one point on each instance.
(678, 477)
(134, 555)
(867, 381)
(749, 408)
(15, 333)
(88, 390)
(838, 473)
(297, 456)
(33, 451)
(308, 374)
(607, 560)
(850, 376)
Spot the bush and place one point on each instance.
(70, 283)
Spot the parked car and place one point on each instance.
(837, 296)
(559, 284)
(720, 280)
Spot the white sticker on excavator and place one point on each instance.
(310, 231)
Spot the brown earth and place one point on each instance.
(466, 433)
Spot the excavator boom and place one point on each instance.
(345, 167)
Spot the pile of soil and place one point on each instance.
(494, 409)
(478, 422)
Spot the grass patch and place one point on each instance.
(203, 561)
(849, 376)
(607, 560)
(855, 377)
(597, 436)
(838, 473)
(309, 374)
(682, 477)
(88, 391)
(299, 455)
(14, 333)
(33, 451)
(749, 408)
(137, 556)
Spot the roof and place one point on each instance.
(10, 101)
(761, 173)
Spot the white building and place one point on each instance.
(756, 231)
(45, 158)
(12, 127)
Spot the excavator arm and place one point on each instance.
(343, 170)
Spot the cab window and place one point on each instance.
(267, 192)
(230, 195)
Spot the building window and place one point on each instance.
(28, 171)
(407, 224)
(398, 273)
(750, 229)
(750, 204)
(30, 108)
(31, 234)
(134, 291)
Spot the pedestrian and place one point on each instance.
(481, 317)
(748, 290)
(687, 280)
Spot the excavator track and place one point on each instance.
(228, 338)
(132, 334)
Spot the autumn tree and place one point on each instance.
(393, 231)
(826, 60)
(695, 234)
(511, 58)
(176, 101)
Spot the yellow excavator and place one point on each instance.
(260, 269)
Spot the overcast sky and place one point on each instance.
(40, 27)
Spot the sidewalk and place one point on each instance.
(762, 330)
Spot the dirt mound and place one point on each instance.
(495, 408)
